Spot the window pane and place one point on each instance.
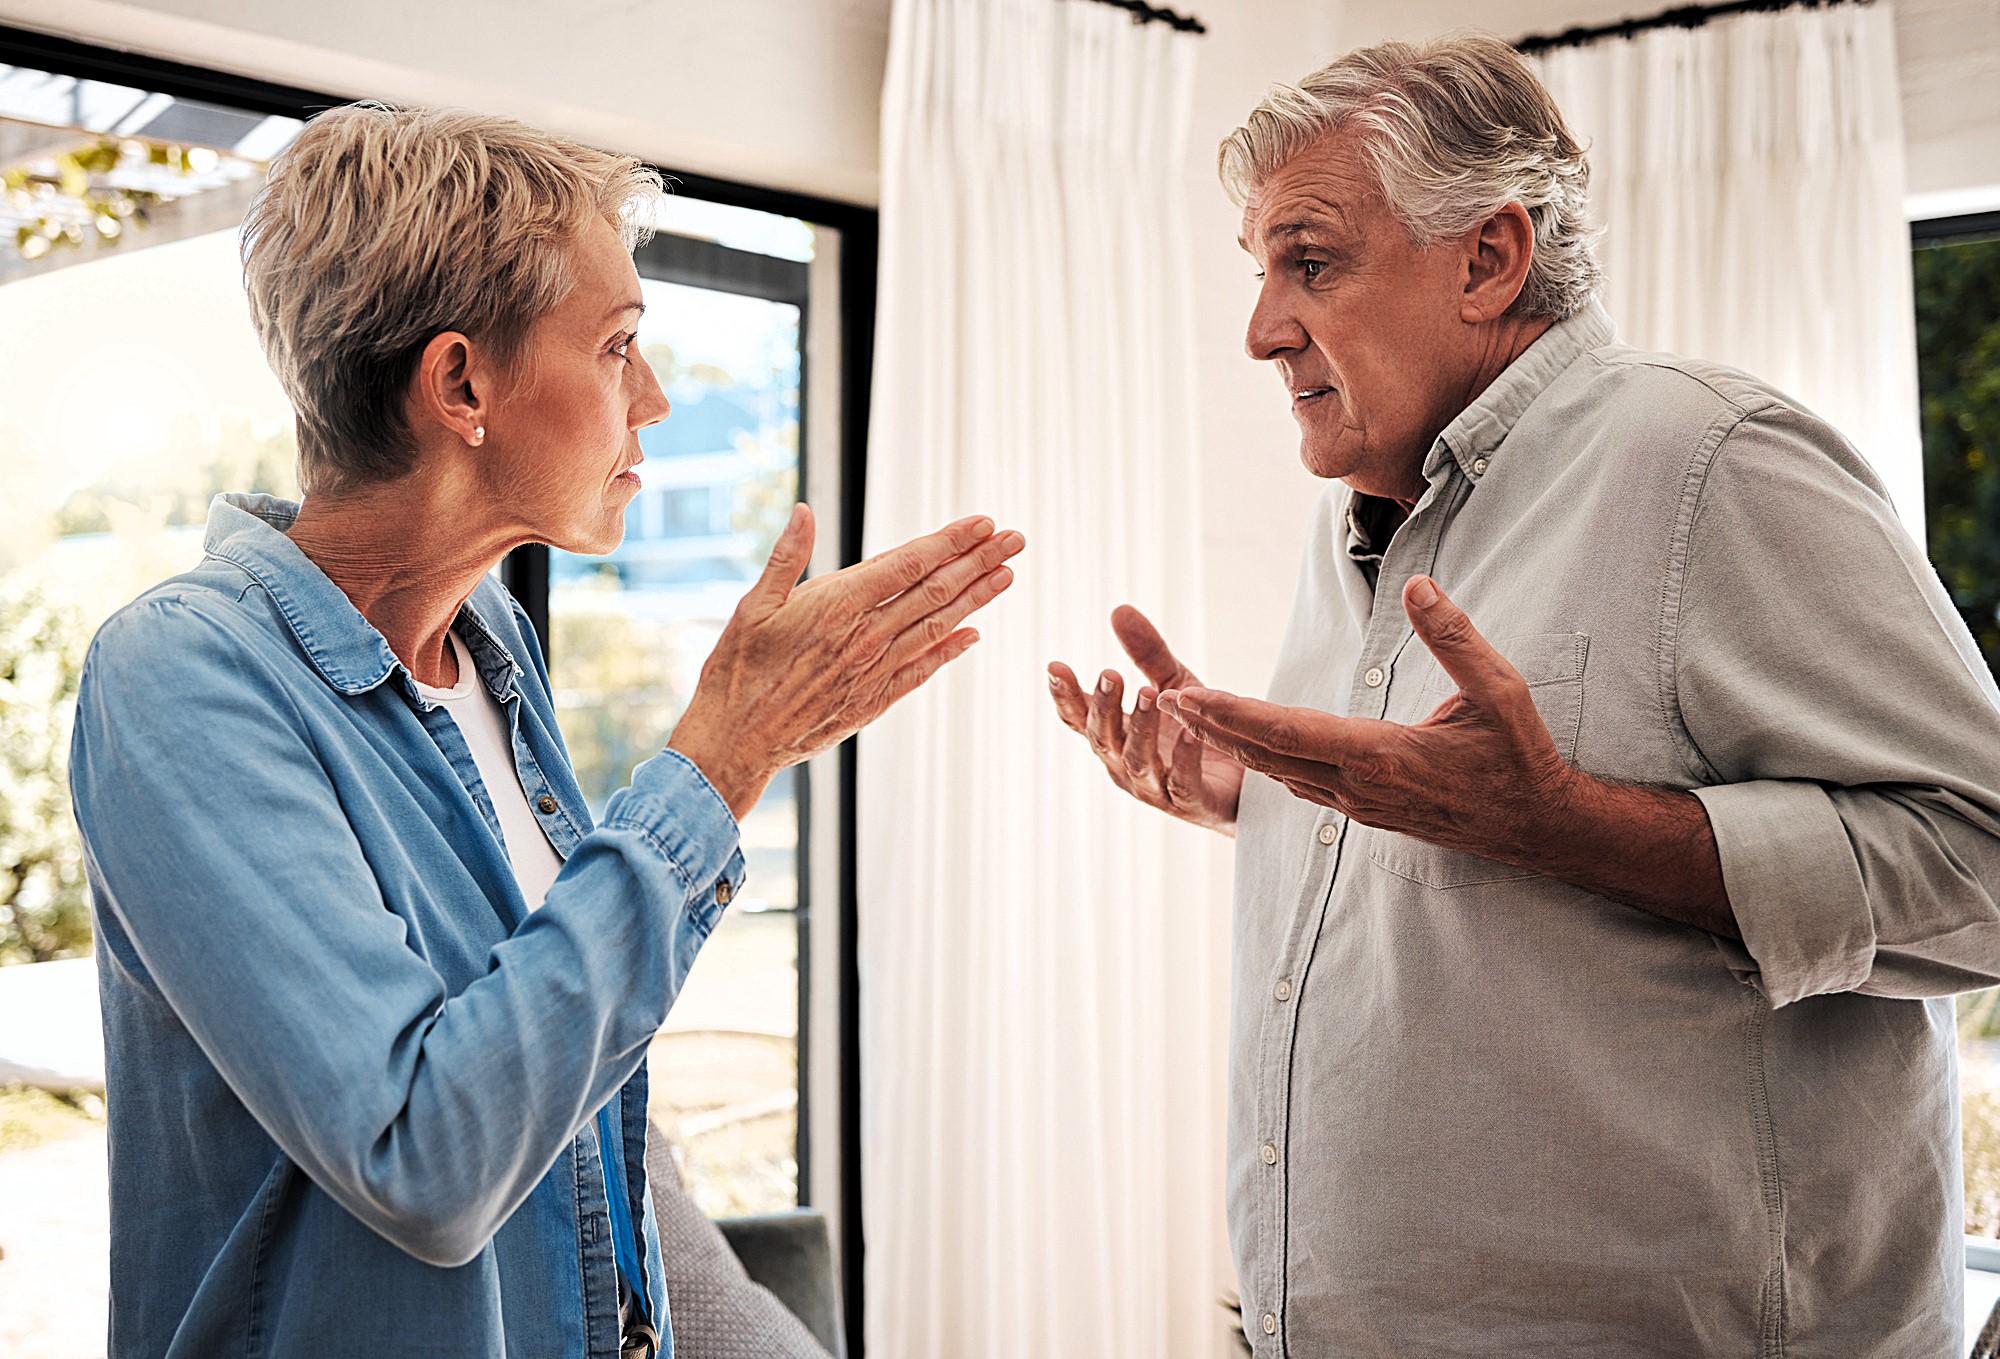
(1958, 367)
(629, 633)
(1958, 364)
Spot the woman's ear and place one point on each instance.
(446, 393)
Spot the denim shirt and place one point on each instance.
(351, 1079)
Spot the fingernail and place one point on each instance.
(1055, 681)
(1002, 578)
(982, 526)
(1104, 684)
(1423, 593)
(1145, 703)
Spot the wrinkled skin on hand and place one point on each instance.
(801, 667)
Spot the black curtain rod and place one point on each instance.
(1143, 13)
(1688, 16)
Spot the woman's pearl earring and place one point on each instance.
(478, 433)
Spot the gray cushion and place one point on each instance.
(718, 1311)
(792, 1255)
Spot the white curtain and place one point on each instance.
(1749, 175)
(1041, 1111)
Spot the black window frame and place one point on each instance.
(527, 571)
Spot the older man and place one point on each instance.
(1593, 963)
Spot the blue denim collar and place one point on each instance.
(346, 649)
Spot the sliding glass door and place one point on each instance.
(726, 298)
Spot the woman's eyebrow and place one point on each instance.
(624, 307)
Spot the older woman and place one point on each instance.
(377, 990)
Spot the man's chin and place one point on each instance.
(1328, 464)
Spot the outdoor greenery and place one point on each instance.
(174, 492)
(1958, 357)
(1958, 365)
(29, 1117)
(44, 907)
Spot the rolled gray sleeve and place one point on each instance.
(1785, 853)
(1845, 724)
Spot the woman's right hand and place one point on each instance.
(801, 667)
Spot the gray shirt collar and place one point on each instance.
(1480, 428)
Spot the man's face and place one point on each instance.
(1365, 328)
(566, 431)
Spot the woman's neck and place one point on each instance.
(398, 553)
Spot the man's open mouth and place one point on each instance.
(1309, 393)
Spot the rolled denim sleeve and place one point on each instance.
(1845, 722)
(220, 842)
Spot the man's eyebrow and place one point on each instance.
(1297, 227)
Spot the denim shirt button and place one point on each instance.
(547, 803)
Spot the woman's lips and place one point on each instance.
(630, 476)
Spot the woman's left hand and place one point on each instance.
(801, 667)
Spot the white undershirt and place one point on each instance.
(484, 726)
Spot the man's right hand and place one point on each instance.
(1156, 762)
(801, 667)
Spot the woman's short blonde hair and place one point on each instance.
(1456, 129)
(382, 227)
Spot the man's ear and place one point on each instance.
(1497, 255)
(446, 392)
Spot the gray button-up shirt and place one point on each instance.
(1477, 1111)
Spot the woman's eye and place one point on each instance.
(623, 349)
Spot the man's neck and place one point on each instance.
(404, 556)
(1495, 349)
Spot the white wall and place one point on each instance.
(1948, 52)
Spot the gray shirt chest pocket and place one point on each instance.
(1552, 663)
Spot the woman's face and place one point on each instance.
(562, 436)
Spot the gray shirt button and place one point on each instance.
(1373, 679)
(1270, 1324)
(1283, 990)
(1270, 1154)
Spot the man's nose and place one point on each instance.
(1273, 329)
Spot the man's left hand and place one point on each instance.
(1480, 774)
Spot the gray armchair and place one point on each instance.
(791, 1255)
(750, 1288)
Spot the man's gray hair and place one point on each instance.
(1455, 129)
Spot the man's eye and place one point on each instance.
(1312, 269)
